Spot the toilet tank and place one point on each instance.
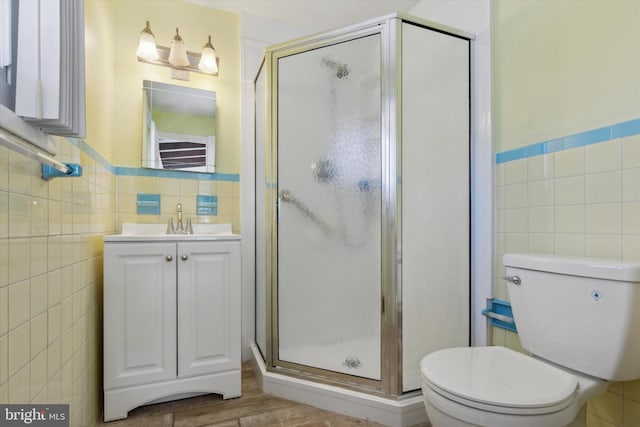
(581, 313)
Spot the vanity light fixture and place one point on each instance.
(147, 45)
(177, 56)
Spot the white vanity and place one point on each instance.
(171, 318)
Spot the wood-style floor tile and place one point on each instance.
(303, 415)
(253, 409)
(229, 410)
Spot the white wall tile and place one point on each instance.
(38, 334)
(631, 246)
(19, 348)
(499, 174)
(515, 172)
(605, 218)
(631, 218)
(540, 193)
(516, 243)
(569, 191)
(515, 220)
(570, 244)
(631, 185)
(604, 246)
(500, 191)
(4, 262)
(570, 219)
(541, 243)
(604, 156)
(540, 167)
(19, 215)
(569, 162)
(19, 304)
(603, 187)
(630, 152)
(4, 214)
(515, 196)
(541, 220)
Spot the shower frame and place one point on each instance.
(389, 28)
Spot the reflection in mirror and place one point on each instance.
(178, 128)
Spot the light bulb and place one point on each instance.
(178, 53)
(208, 62)
(147, 45)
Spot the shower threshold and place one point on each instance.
(403, 412)
(359, 357)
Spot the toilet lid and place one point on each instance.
(498, 377)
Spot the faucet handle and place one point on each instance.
(170, 228)
(189, 226)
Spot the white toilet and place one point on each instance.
(579, 318)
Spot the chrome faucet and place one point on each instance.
(180, 227)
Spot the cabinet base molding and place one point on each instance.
(118, 402)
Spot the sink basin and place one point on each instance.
(135, 229)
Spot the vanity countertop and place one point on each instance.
(170, 237)
(134, 232)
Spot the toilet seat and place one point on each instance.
(498, 380)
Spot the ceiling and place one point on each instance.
(316, 15)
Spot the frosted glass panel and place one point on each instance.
(435, 196)
(329, 179)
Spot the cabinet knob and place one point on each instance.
(184, 257)
(169, 258)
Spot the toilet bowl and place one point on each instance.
(499, 387)
(579, 319)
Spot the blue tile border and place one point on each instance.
(594, 136)
(159, 173)
(206, 205)
(148, 204)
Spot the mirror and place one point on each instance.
(178, 128)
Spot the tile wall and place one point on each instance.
(51, 269)
(173, 191)
(51, 282)
(582, 201)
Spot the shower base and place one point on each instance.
(341, 357)
(404, 412)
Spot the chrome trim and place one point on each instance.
(390, 29)
(513, 279)
(500, 317)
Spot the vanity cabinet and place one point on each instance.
(171, 321)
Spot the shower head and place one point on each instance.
(342, 70)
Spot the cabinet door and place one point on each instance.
(208, 307)
(139, 313)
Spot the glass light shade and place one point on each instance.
(208, 62)
(147, 45)
(178, 53)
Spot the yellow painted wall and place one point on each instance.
(116, 89)
(99, 79)
(562, 67)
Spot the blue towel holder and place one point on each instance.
(49, 172)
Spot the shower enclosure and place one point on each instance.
(362, 203)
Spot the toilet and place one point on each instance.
(580, 320)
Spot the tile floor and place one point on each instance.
(253, 409)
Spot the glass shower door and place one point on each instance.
(329, 199)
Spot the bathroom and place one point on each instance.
(543, 71)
